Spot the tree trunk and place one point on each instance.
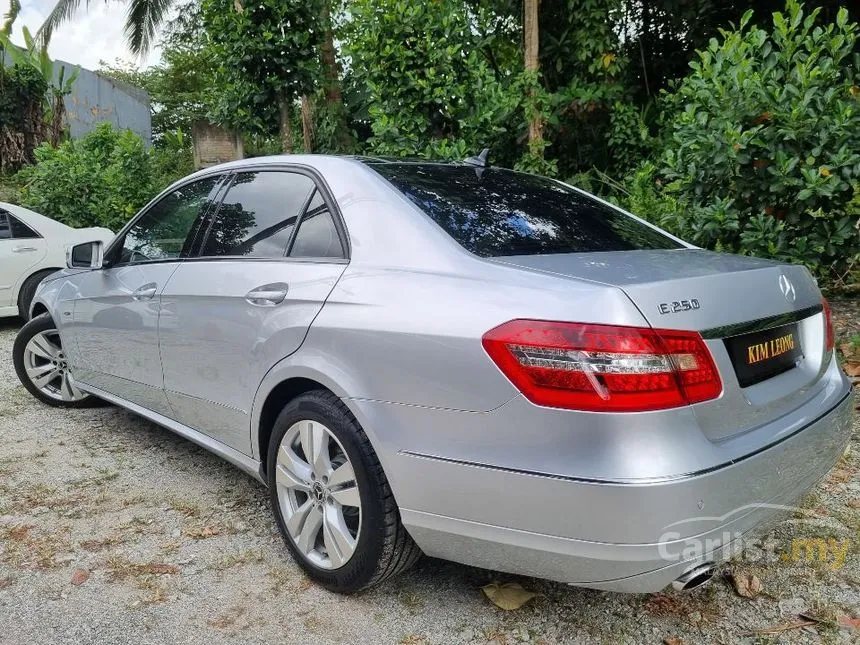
(286, 125)
(307, 125)
(531, 39)
(333, 94)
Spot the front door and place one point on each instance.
(114, 329)
(247, 302)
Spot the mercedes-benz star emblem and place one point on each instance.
(787, 288)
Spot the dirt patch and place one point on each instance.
(114, 530)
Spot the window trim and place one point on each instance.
(11, 216)
(298, 227)
(319, 185)
(119, 240)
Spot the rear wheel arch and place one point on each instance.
(278, 397)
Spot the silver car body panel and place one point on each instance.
(481, 475)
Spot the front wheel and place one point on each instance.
(42, 365)
(331, 499)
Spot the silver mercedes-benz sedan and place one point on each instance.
(478, 364)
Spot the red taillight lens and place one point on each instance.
(603, 368)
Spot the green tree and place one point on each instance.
(428, 88)
(267, 57)
(763, 151)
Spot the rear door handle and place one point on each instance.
(23, 249)
(146, 292)
(268, 295)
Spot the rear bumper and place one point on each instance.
(621, 536)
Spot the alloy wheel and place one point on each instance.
(47, 367)
(318, 494)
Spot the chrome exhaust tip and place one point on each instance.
(699, 575)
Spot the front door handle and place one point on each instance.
(146, 292)
(23, 249)
(268, 295)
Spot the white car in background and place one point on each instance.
(32, 247)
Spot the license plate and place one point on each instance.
(764, 354)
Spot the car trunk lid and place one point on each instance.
(744, 307)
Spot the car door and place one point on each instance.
(21, 249)
(114, 328)
(246, 302)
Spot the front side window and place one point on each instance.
(497, 212)
(258, 214)
(166, 231)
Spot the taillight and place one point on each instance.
(828, 325)
(603, 368)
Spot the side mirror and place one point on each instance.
(89, 255)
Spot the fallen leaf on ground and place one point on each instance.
(203, 533)
(852, 368)
(776, 629)
(80, 576)
(159, 568)
(848, 621)
(747, 584)
(672, 640)
(854, 503)
(508, 596)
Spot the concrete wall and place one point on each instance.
(95, 99)
(213, 145)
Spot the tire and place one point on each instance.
(51, 360)
(382, 547)
(28, 290)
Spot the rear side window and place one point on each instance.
(317, 235)
(5, 228)
(20, 231)
(258, 214)
(13, 228)
(496, 212)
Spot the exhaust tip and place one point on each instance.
(696, 577)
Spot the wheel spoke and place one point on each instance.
(339, 543)
(42, 347)
(297, 520)
(315, 445)
(347, 496)
(343, 475)
(291, 471)
(310, 530)
(69, 391)
(45, 377)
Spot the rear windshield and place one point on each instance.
(508, 213)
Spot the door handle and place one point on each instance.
(268, 295)
(23, 249)
(146, 292)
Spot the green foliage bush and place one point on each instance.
(762, 153)
(429, 91)
(101, 179)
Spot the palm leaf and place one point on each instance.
(142, 21)
(62, 11)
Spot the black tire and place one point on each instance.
(25, 334)
(28, 290)
(383, 547)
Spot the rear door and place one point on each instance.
(21, 249)
(273, 252)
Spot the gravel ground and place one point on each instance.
(113, 530)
